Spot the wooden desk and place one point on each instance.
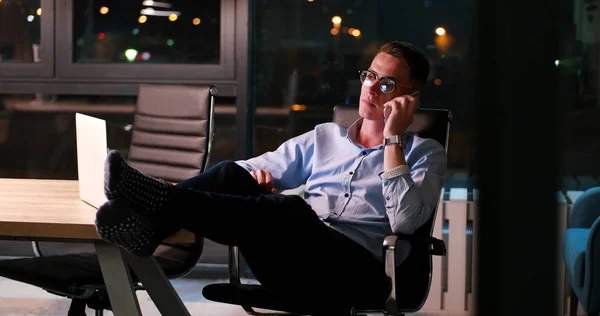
(32, 209)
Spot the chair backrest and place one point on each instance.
(172, 136)
(413, 276)
(173, 129)
(427, 123)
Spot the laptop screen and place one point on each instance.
(91, 154)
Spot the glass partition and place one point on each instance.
(579, 66)
(42, 136)
(308, 53)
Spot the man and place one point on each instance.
(357, 191)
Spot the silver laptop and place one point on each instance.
(91, 154)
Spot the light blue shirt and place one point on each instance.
(343, 183)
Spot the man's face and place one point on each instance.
(371, 97)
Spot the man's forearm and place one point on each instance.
(393, 156)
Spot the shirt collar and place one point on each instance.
(353, 130)
(355, 127)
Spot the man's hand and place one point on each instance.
(264, 179)
(399, 115)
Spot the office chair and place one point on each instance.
(410, 280)
(172, 135)
(581, 253)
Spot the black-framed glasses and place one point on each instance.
(386, 85)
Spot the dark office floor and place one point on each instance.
(22, 299)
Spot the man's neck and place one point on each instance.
(370, 133)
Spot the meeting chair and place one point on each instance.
(581, 253)
(410, 281)
(172, 135)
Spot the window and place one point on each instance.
(172, 32)
(105, 47)
(26, 38)
(168, 40)
(20, 30)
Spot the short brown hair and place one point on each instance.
(413, 57)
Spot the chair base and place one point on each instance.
(78, 306)
(253, 295)
(250, 296)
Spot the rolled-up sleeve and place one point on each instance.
(411, 199)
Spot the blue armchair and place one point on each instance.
(582, 252)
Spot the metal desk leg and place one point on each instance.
(118, 280)
(157, 285)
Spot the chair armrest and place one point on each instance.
(389, 259)
(437, 248)
(36, 249)
(574, 254)
(584, 211)
(592, 257)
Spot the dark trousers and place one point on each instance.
(286, 246)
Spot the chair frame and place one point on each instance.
(437, 247)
